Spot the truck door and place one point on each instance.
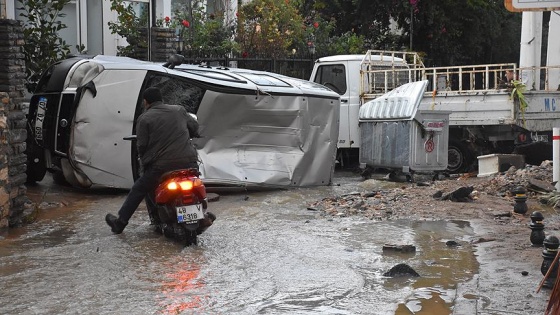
(335, 77)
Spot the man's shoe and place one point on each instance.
(155, 222)
(117, 226)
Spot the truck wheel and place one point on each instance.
(458, 157)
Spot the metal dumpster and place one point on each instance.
(396, 135)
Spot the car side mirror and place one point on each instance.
(174, 60)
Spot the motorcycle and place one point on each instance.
(181, 203)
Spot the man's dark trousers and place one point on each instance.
(144, 187)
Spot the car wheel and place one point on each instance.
(36, 168)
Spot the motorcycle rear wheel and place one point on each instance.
(187, 237)
(180, 233)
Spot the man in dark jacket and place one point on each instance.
(163, 138)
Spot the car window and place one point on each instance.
(213, 75)
(178, 91)
(333, 77)
(263, 79)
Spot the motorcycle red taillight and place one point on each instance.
(181, 190)
(185, 184)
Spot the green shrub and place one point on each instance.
(43, 46)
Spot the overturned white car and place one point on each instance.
(258, 129)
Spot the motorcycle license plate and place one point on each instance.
(189, 213)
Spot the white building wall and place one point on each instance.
(80, 21)
(163, 8)
(553, 53)
(531, 45)
(110, 41)
(10, 9)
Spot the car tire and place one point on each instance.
(36, 168)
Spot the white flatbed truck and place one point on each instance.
(488, 114)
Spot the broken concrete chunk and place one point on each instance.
(452, 243)
(438, 194)
(540, 186)
(401, 270)
(399, 248)
(462, 194)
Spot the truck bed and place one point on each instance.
(498, 108)
(476, 95)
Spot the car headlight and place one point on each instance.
(83, 73)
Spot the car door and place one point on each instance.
(101, 121)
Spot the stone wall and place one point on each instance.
(163, 43)
(13, 134)
(12, 124)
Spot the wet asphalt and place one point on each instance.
(266, 254)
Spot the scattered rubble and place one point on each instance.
(502, 184)
(384, 204)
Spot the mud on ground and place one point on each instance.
(490, 199)
(510, 266)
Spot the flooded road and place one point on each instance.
(265, 254)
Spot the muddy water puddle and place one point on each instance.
(266, 254)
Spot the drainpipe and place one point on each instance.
(556, 157)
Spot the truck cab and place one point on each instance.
(335, 73)
(341, 74)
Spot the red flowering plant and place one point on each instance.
(203, 34)
(163, 22)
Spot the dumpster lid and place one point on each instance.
(399, 104)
